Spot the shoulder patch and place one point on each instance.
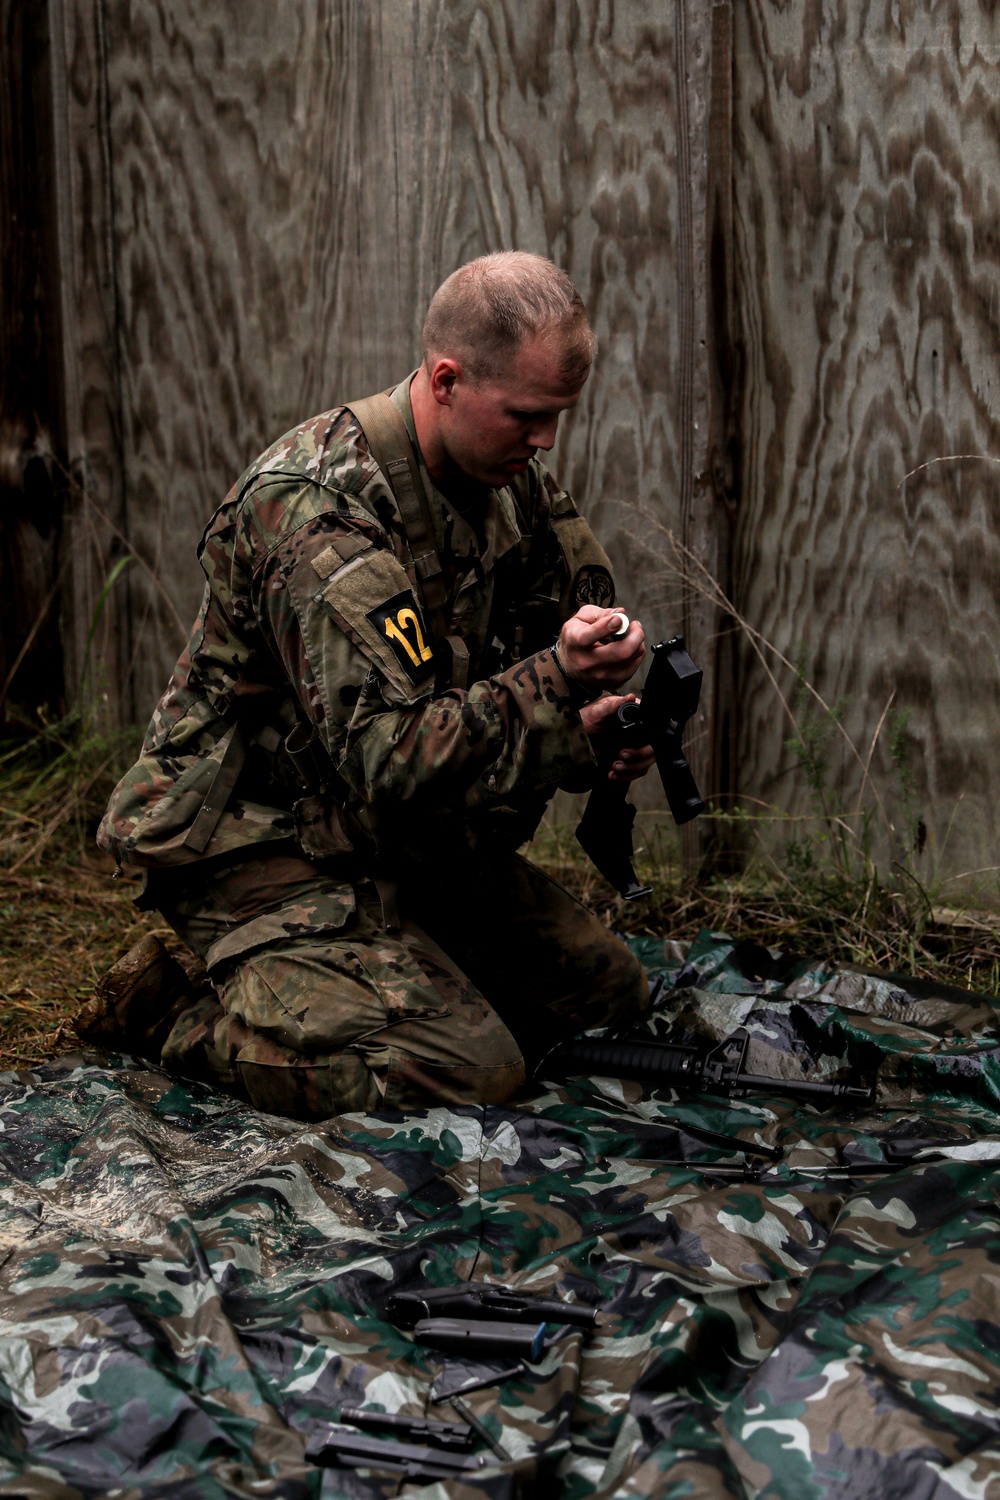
(398, 621)
(593, 585)
(372, 601)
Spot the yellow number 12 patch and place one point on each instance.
(398, 622)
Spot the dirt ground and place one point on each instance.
(65, 919)
(60, 928)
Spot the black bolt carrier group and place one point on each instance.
(484, 1320)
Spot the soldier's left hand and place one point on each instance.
(594, 654)
(631, 761)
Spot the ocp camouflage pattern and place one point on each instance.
(190, 1288)
(312, 639)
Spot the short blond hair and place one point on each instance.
(486, 309)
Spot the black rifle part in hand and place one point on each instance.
(485, 1300)
(669, 698)
(720, 1070)
(341, 1447)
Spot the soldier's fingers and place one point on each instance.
(597, 624)
(627, 769)
(588, 613)
(636, 760)
(619, 627)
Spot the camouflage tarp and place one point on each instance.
(190, 1289)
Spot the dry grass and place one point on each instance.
(63, 923)
(65, 918)
(859, 923)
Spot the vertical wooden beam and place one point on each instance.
(95, 629)
(31, 682)
(724, 376)
(703, 65)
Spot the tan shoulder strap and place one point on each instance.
(224, 779)
(390, 446)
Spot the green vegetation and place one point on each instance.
(820, 891)
(63, 918)
(859, 920)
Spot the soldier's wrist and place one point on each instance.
(580, 693)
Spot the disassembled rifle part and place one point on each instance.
(668, 700)
(719, 1070)
(486, 1300)
(438, 1434)
(479, 1428)
(343, 1447)
(477, 1337)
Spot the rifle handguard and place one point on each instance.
(687, 1068)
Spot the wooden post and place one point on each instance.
(31, 676)
(96, 635)
(703, 65)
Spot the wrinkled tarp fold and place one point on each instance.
(190, 1290)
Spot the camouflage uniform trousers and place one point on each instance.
(320, 1011)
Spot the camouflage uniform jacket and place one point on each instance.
(310, 667)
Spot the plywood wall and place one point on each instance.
(866, 194)
(292, 180)
(783, 219)
(30, 655)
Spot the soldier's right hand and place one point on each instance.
(590, 653)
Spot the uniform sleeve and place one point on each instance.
(339, 611)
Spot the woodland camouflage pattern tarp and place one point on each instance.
(191, 1289)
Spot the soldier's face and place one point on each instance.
(491, 429)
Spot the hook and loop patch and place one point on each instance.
(399, 623)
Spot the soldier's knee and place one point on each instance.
(625, 993)
(416, 1081)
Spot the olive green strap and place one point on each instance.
(390, 446)
(219, 792)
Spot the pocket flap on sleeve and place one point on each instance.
(371, 599)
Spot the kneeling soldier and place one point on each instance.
(407, 643)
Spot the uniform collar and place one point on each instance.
(494, 508)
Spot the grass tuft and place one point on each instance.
(64, 918)
(830, 916)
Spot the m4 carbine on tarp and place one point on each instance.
(717, 1070)
(669, 698)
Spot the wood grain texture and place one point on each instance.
(96, 632)
(293, 180)
(868, 262)
(31, 679)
